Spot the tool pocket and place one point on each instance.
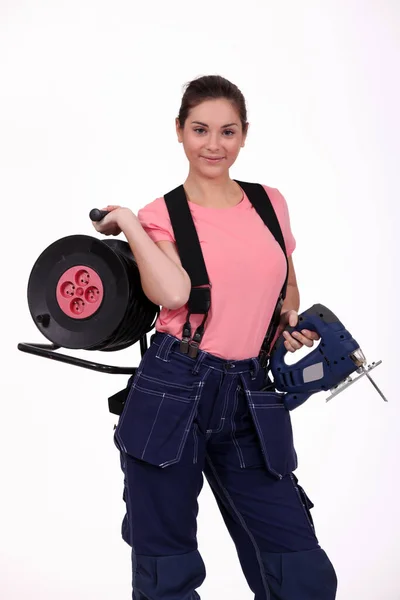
(304, 500)
(158, 416)
(274, 430)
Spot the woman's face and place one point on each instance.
(212, 137)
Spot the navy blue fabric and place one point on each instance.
(306, 575)
(187, 418)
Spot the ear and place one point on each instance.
(178, 130)
(245, 135)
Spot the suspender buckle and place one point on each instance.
(186, 335)
(195, 343)
(193, 349)
(184, 346)
(199, 303)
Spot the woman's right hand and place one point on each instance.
(111, 223)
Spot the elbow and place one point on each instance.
(170, 297)
(176, 301)
(180, 297)
(170, 301)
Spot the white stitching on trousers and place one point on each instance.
(243, 524)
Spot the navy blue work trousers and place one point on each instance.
(185, 417)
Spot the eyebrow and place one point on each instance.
(205, 124)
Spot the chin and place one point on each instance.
(213, 170)
(214, 173)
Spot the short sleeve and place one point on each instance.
(155, 220)
(282, 212)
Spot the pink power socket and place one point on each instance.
(79, 292)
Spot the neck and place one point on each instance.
(217, 192)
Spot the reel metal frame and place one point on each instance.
(49, 351)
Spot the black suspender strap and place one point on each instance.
(259, 198)
(189, 249)
(186, 237)
(192, 259)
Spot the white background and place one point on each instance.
(88, 95)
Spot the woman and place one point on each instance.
(187, 416)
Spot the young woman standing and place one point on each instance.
(188, 416)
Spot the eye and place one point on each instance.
(229, 132)
(199, 130)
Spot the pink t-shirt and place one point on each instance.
(246, 268)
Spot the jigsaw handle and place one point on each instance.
(316, 318)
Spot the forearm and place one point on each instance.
(163, 281)
(292, 300)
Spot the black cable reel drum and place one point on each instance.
(85, 293)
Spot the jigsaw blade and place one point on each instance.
(362, 370)
(375, 386)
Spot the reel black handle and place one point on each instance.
(97, 215)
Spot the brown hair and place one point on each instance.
(212, 87)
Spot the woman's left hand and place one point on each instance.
(296, 340)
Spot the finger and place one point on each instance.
(292, 341)
(303, 339)
(288, 346)
(109, 208)
(293, 318)
(312, 335)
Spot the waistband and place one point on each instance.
(168, 345)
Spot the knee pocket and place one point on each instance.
(168, 576)
(306, 575)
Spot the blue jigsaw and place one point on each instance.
(326, 368)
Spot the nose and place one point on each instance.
(213, 142)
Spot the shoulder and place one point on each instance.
(156, 207)
(278, 202)
(281, 210)
(274, 195)
(154, 213)
(280, 207)
(154, 218)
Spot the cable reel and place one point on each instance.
(86, 293)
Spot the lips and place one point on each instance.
(213, 158)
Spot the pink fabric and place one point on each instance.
(246, 268)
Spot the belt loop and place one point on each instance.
(199, 361)
(255, 369)
(165, 348)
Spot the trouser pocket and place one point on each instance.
(157, 417)
(274, 430)
(304, 500)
